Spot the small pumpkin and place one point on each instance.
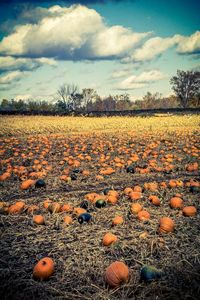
(44, 269)
(143, 215)
(78, 211)
(127, 191)
(149, 273)
(54, 207)
(84, 218)
(68, 220)
(135, 195)
(46, 203)
(109, 238)
(118, 220)
(176, 202)
(113, 193)
(16, 208)
(66, 208)
(27, 184)
(112, 199)
(189, 211)
(39, 219)
(135, 208)
(100, 203)
(166, 225)
(40, 183)
(116, 274)
(154, 200)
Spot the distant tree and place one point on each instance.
(5, 104)
(123, 102)
(66, 97)
(89, 97)
(186, 85)
(151, 101)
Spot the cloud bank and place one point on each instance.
(141, 80)
(73, 33)
(77, 33)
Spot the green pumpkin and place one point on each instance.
(149, 273)
(194, 189)
(100, 203)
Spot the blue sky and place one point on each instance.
(114, 47)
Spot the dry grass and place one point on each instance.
(77, 250)
(18, 125)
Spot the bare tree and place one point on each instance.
(89, 96)
(67, 97)
(186, 85)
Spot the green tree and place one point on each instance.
(186, 86)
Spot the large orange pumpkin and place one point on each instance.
(116, 274)
(166, 225)
(43, 269)
(189, 211)
(176, 202)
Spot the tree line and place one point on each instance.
(68, 99)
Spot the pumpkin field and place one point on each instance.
(100, 208)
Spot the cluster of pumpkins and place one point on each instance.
(115, 274)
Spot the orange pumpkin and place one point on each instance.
(135, 208)
(189, 211)
(113, 193)
(143, 215)
(116, 274)
(54, 207)
(79, 210)
(112, 199)
(109, 238)
(166, 225)
(44, 269)
(38, 219)
(67, 208)
(68, 220)
(127, 191)
(118, 220)
(5, 176)
(135, 195)
(176, 202)
(16, 208)
(46, 203)
(27, 184)
(154, 200)
(137, 188)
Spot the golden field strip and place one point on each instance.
(18, 125)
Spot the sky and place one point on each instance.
(114, 47)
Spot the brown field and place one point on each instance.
(76, 156)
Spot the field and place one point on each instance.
(81, 161)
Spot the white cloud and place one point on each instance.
(12, 77)
(120, 73)
(141, 80)
(157, 45)
(154, 47)
(73, 33)
(189, 44)
(9, 63)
